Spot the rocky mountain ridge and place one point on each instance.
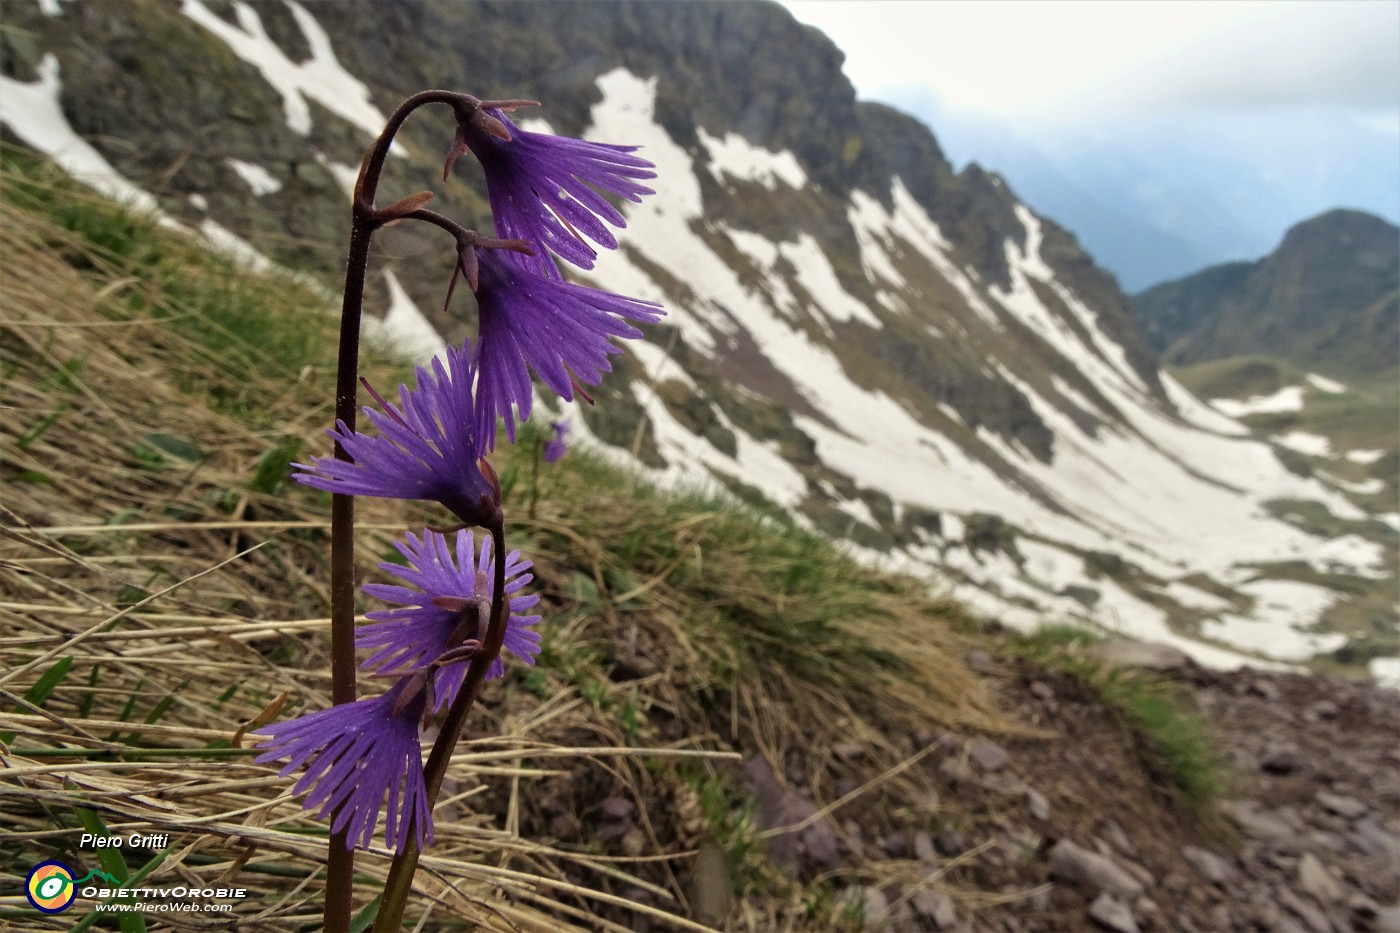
(1328, 296)
(858, 337)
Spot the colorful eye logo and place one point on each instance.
(50, 887)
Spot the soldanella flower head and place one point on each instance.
(542, 187)
(426, 447)
(443, 608)
(561, 330)
(555, 449)
(360, 758)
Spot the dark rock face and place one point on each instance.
(1330, 294)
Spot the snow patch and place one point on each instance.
(232, 245)
(259, 179)
(1193, 598)
(345, 175)
(404, 326)
(738, 158)
(33, 112)
(1367, 487)
(1386, 672)
(1276, 623)
(1365, 457)
(321, 78)
(1314, 445)
(1326, 385)
(1289, 398)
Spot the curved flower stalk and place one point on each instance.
(561, 330)
(426, 448)
(541, 187)
(355, 756)
(442, 593)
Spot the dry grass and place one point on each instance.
(161, 587)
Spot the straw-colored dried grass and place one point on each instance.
(680, 634)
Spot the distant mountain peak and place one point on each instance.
(1326, 297)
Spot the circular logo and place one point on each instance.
(50, 887)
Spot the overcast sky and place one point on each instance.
(1069, 62)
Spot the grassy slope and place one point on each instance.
(162, 585)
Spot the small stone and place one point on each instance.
(979, 660)
(1348, 808)
(1388, 919)
(935, 906)
(987, 755)
(955, 770)
(1371, 838)
(877, 909)
(1281, 759)
(896, 844)
(1112, 914)
(1096, 873)
(1316, 880)
(1256, 822)
(1314, 920)
(1324, 709)
(950, 842)
(849, 750)
(1211, 866)
(1139, 654)
(1264, 688)
(1145, 877)
(617, 808)
(923, 848)
(634, 842)
(1120, 839)
(1037, 803)
(1041, 690)
(1004, 782)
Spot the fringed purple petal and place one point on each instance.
(544, 189)
(561, 330)
(426, 447)
(359, 758)
(410, 638)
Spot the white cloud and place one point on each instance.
(1060, 60)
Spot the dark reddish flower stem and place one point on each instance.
(364, 221)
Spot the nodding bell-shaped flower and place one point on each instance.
(444, 606)
(542, 187)
(427, 447)
(360, 758)
(561, 330)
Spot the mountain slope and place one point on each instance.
(897, 354)
(1328, 296)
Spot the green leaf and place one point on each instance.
(36, 432)
(274, 467)
(113, 864)
(37, 694)
(177, 447)
(366, 916)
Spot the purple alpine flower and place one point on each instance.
(355, 754)
(563, 331)
(555, 448)
(439, 590)
(541, 187)
(427, 447)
